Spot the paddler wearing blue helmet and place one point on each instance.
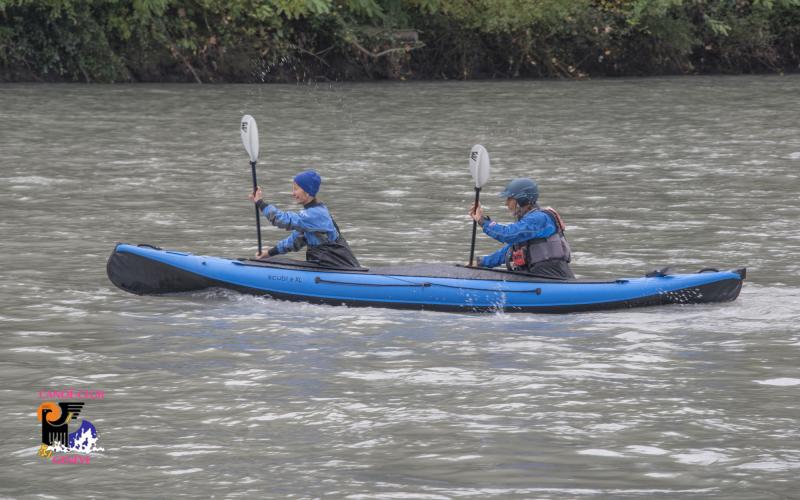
(535, 243)
(312, 227)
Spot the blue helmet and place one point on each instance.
(524, 191)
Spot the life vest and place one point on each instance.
(526, 254)
(330, 253)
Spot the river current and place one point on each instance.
(215, 394)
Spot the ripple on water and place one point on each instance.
(779, 381)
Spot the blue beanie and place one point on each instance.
(308, 181)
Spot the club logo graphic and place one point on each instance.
(473, 156)
(56, 436)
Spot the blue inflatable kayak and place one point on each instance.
(145, 269)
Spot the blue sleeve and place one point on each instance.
(292, 243)
(534, 225)
(304, 220)
(495, 259)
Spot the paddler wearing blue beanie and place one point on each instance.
(535, 243)
(312, 227)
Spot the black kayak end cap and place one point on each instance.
(742, 272)
(142, 276)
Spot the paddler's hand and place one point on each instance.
(266, 254)
(254, 197)
(477, 213)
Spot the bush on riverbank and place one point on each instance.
(300, 40)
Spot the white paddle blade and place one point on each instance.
(479, 165)
(249, 131)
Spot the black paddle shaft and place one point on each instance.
(474, 226)
(258, 218)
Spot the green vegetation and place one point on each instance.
(300, 40)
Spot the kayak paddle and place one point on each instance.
(249, 131)
(479, 167)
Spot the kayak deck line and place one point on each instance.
(427, 284)
(149, 270)
(407, 283)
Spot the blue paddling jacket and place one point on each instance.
(312, 227)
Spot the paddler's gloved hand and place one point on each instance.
(258, 198)
(265, 254)
(477, 214)
(255, 197)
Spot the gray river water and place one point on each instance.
(215, 394)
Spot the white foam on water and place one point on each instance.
(770, 465)
(273, 416)
(608, 427)
(636, 337)
(700, 457)
(182, 471)
(187, 453)
(590, 374)
(569, 492)
(460, 458)
(647, 450)
(36, 333)
(36, 180)
(531, 386)
(252, 371)
(370, 443)
(645, 358)
(41, 350)
(234, 383)
(392, 354)
(179, 407)
(435, 376)
(511, 379)
(600, 453)
(779, 381)
(393, 495)
(367, 320)
(138, 446)
(196, 446)
(528, 346)
(355, 406)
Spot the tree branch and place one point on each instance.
(376, 55)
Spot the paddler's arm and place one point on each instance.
(304, 220)
(279, 218)
(495, 259)
(528, 228)
(292, 243)
(511, 233)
